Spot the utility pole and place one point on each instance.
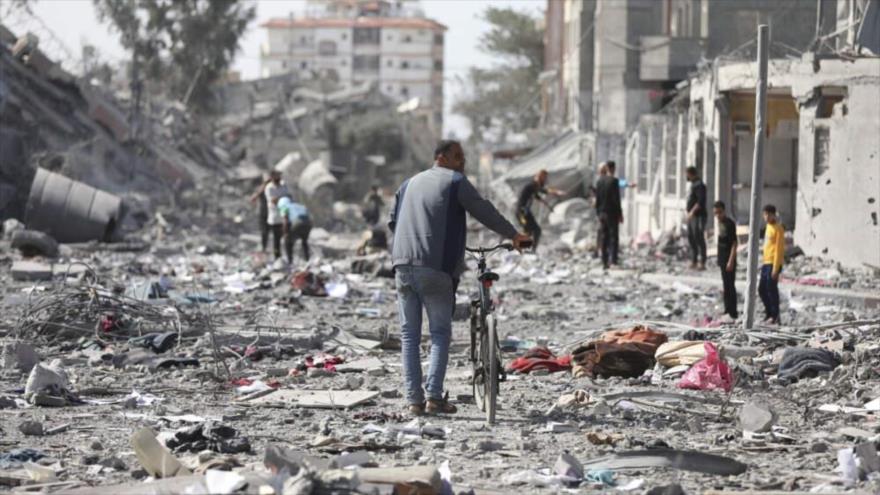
(757, 175)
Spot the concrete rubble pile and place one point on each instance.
(184, 360)
(76, 163)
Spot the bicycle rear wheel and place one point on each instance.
(491, 368)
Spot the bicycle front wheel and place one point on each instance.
(491, 367)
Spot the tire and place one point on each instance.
(32, 242)
(492, 368)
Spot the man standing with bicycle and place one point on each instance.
(429, 222)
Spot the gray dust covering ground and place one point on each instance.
(219, 296)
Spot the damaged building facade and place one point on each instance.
(660, 85)
(822, 151)
(821, 161)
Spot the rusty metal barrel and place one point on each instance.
(71, 211)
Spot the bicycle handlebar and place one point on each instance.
(481, 250)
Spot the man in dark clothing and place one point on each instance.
(696, 219)
(727, 257)
(260, 196)
(372, 206)
(534, 190)
(610, 214)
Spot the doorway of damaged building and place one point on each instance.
(780, 153)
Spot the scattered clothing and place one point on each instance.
(209, 435)
(625, 353)
(157, 342)
(16, 457)
(607, 359)
(800, 362)
(539, 358)
(638, 333)
(309, 284)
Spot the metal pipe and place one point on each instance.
(757, 176)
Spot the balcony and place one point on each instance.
(665, 58)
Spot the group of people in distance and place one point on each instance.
(773, 254)
(282, 217)
(428, 220)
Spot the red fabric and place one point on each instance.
(539, 358)
(711, 373)
(638, 333)
(240, 382)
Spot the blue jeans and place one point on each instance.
(768, 289)
(419, 287)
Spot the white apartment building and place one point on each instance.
(354, 42)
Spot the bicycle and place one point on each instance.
(485, 350)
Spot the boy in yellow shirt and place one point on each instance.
(774, 255)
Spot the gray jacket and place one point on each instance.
(429, 219)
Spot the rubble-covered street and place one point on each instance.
(180, 333)
(212, 273)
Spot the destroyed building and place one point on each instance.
(659, 86)
(68, 129)
(391, 44)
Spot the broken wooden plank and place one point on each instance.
(321, 399)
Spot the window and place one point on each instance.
(404, 91)
(284, 64)
(366, 36)
(404, 65)
(407, 39)
(344, 36)
(822, 151)
(642, 172)
(390, 63)
(366, 62)
(343, 62)
(671, 150)
(438, 39)
(438, 64)
(303, 40)
(327, 48)
(303, 65)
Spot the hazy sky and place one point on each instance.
(73, 22)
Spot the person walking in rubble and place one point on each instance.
(727, 244)
(274, 191)
(372, 206)
(429, 222)
(296, 226)
(259, 196)
(610, 214)
(536, 189)
(696, 219)
(773, 258)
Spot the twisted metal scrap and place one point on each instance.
(72, 312)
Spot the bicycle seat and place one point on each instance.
(490, 276)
